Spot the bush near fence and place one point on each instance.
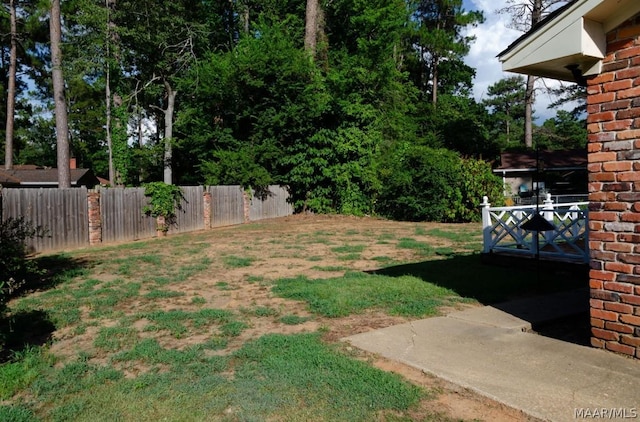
(77, 217)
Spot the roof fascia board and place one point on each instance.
(551, 29)
(621, 13)
(576, 36)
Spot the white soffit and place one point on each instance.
(576, 36)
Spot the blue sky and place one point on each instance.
(492, 37)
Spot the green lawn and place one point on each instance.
(192, 327)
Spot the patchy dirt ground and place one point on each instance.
(306, 245)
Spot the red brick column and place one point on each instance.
(207, 210)
(614, 194)
(95, 218)
(246, 203)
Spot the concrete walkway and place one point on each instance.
(489, 351)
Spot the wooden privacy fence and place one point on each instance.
(76, 218)
(63, 213)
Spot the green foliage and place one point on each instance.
(282, 368)
(233, 261)
(573, 95)
(298, 376)
(423, 183)
(122, 156)
(17, 414)
(165, 201)
(255, 109)
(24, 368)
(262, 311)
(14, 264)
(15, 267)
(442, 40)
(423, 248)
(235, 168)
(179, 322)
(478, 181)
(461, 124)
(293, 319)
(345, 389)
(115, 338)
(357, 292)
(506, 102)
(146, 374)
(565, 131)
(233, 328)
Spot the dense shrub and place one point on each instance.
(478, 180)
(427, 184)
(15, 267)
(420, 183)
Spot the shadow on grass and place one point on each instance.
(55, 269)
(23, 330)
(469, 277)
(503, 282)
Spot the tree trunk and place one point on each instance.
(168, 132)
(107, 92)
(536, 16)
(434, 82)
(112, 178)
(311, 27)
(62, 128)
(11, 90)
(245, 19)
(529, 99)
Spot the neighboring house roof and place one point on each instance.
(550, 160)
(571, 42)
(30, 176)
(7, 179)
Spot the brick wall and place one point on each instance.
(614, 194)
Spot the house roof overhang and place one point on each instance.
(570, 43)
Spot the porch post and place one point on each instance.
(548, 214)
(486, 225)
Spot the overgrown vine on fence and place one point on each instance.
(164, 202)
(120, 147)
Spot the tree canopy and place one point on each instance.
(344, 101)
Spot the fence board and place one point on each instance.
(62, 212)
(227, 205)
(122, 216)
(273, 203)
(191, 215)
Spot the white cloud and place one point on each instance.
(492, 37)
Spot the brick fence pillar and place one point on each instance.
(207, 210)
(95, 218)
(246, 200)
(613, 106)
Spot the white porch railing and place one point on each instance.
(568, 241)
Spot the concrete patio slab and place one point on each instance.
(543, 377)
